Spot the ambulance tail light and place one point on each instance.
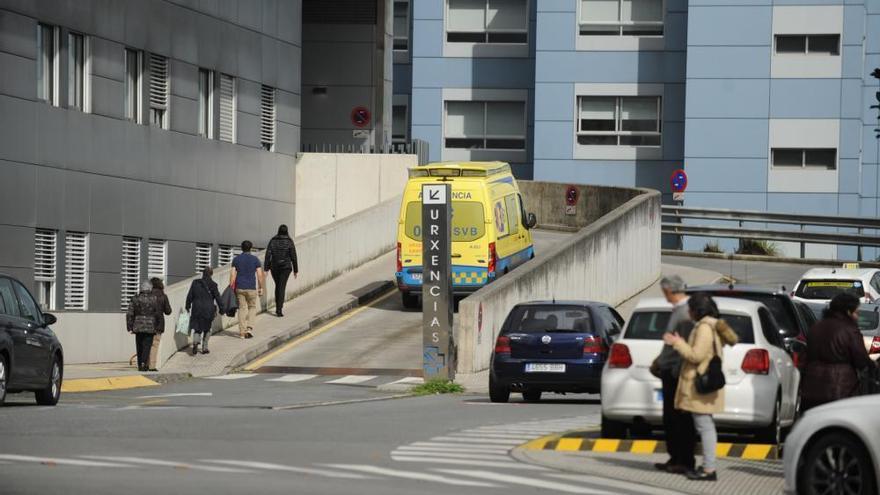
(399, 259)
(493, 257)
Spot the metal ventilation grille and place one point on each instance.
(227, 108)
(203, 257)
(130, 270)
(158, 82)
(267, 117)
(339, 12)
(157, 259)
(45, 255)
(76, 271)
(226, 253)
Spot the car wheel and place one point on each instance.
(49, 396)
(4, 378)
(410, 301)
(773, 432)
(497, 391)
(837, 463)
(613, 429)
(531, 395)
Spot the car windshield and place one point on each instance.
(650, 325)
(869, 320)
(550, 318)
(827, 289)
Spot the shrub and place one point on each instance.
(712, 247)
(437, 386)
(760, 248)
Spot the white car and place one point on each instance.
(761, 394)
(835, 448)
(820, 285)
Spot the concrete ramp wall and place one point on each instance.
(323, 254)
(612, 259)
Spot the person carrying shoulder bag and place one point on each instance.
(701, 381)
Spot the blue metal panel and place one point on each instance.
(473, 73)
(871, 150)
(622, 173)
(853, 25)
(869, 207)
(852, 63)
(616, 67)
(869, 180)
(427, 106)
(808, 203)
(728, 62)
(556, 31)
(848, 176)
(673, 141)
(737, 200)
(431, 9)
(730, 98)
(554, 102)
(805, 98)
(678, 6)
(433, 134)
(402, 79)
(721, 26)
(557, 5)
(848, 205)
(850, 99)
(673, 102)
(554, 140)
(427, 38)
(726, 138)
(807, 2)
(873, 30)
(850, 144)
(727, 174)
(735, 3)
(675, 30)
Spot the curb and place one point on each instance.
(359, 297)
(766, 259)
(577, 442)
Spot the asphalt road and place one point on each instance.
(747, 272)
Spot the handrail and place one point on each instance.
(772, 235)
(770, 217)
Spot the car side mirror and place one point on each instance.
(531, 221)
(794, 346)
(49, 319)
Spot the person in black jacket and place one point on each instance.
(281, 260)
(200, 299)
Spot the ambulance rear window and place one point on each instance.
(468, 221)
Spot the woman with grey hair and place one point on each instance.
(201, 297)
(142, 320)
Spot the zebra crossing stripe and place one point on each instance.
(292, 378)
(452, 448)
(520, 480)
(177, 465)
(60, 461)
(352, 379)
(292, 469)
(485, 441)
(510, 464)
(233, 376)
(450, 455)
(394, 473)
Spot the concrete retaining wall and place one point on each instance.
(323, 254)
(333, 186)
(610, 260)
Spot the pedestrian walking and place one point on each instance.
(835, 354)
(705, 342)
(165, 305)
(248, 278)
(142, 319)
(280, 262)
(677, 424)
(200, 301)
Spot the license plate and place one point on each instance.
(658, 395)
(416, 276)
(545, 368)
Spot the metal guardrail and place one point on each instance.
(416, 147)
(803, 236)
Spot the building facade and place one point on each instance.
(142, 138)
(765, 104)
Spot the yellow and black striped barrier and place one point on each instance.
(578, 442)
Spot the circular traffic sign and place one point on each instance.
(679, 181)
(571, 195)
(360, 116)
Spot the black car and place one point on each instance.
(552, 346)
(31, 358)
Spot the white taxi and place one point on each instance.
(820, 285)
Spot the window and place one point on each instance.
(619, 120)
(398, 124)
(267, 117)
(225, 254)
(203, 257)
(78, 72)
(819, 44)
(159, 88)
(496, 125)
(487, 21)
(401, 26)
(468, 221)
(130, 270)
(818, 158)
(769, 327)
(27, 308)
(227, 108)
(157, 259)
(45, 266)
(134, 63)
(206, 103)
(47, 63)
(8, 305)
(512, 214)
(621, 17)
(76, 271)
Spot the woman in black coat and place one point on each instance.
(202, 295)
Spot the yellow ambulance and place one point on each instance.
(490, 227)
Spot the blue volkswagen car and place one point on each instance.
(552, 346)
